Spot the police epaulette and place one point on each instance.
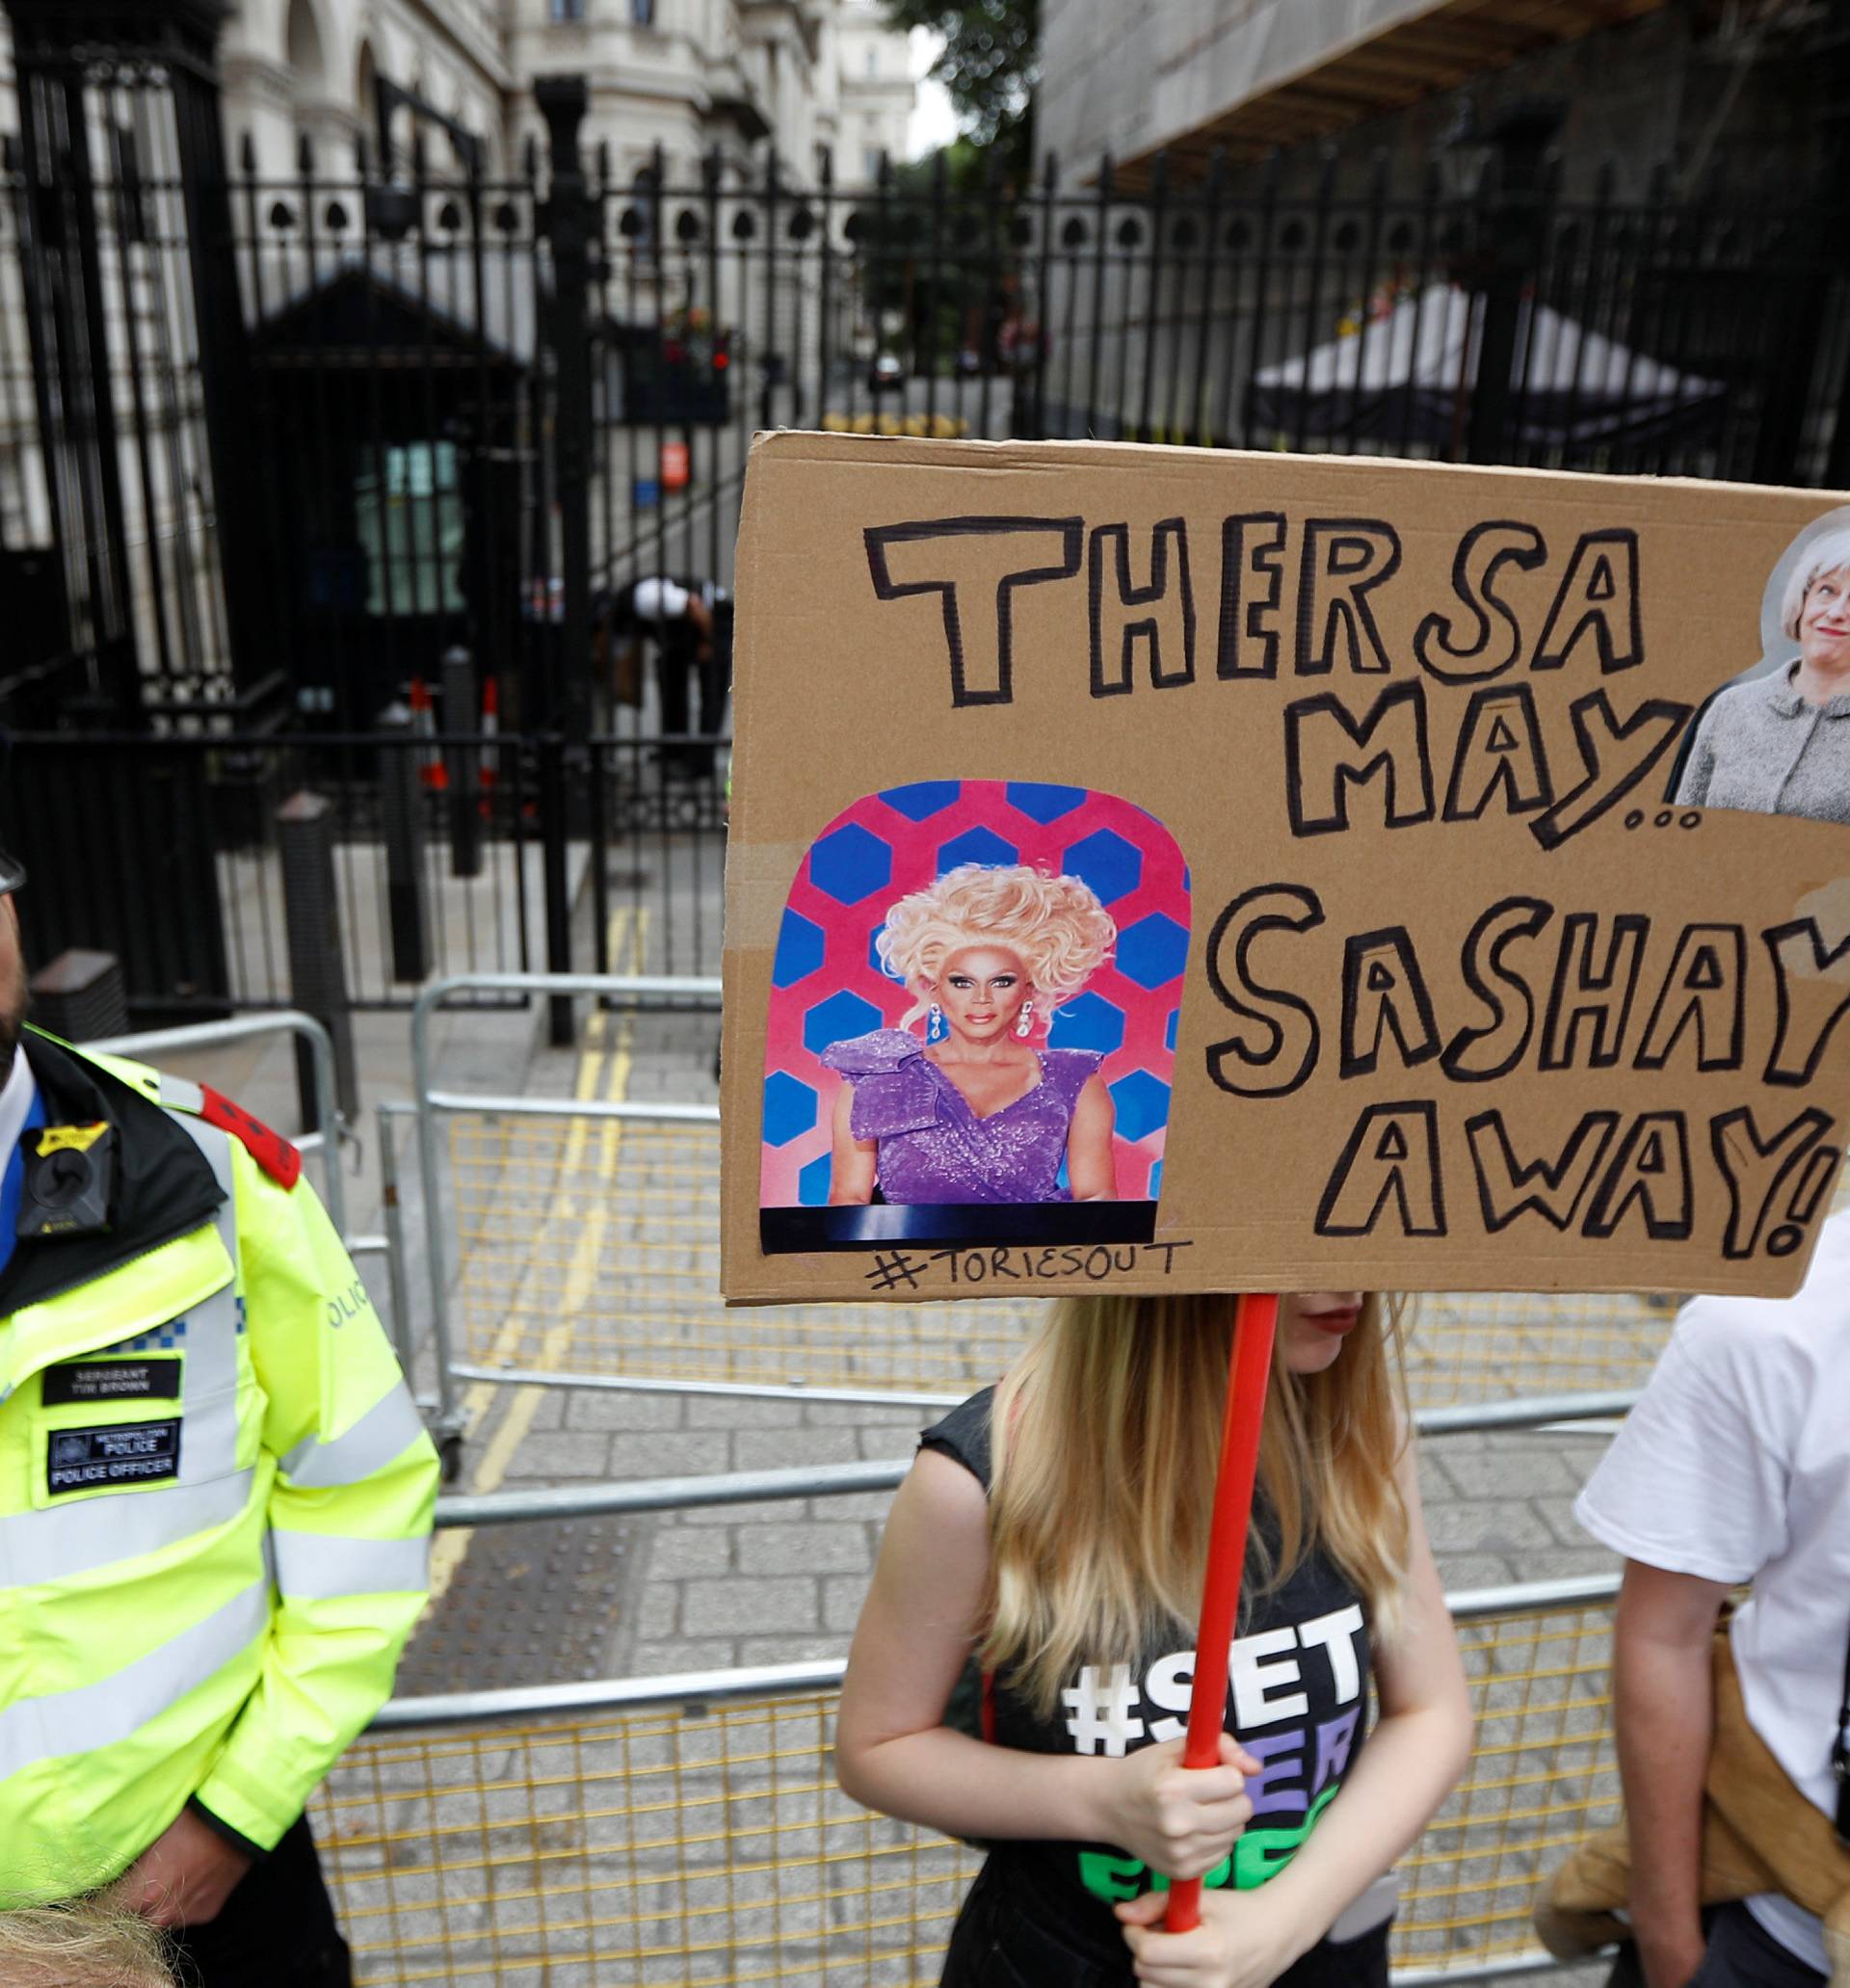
(271, 1151)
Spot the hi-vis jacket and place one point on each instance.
(215, 1493)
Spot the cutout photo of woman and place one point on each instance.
(1778, 743)
(977, 1109)
(972, 1024)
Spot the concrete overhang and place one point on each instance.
(1248, 76)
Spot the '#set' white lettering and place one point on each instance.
(1261, 1674)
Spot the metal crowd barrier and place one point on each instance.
(573, 1243)
(429, 1103)
(149, 1045)
(685, 1831)
(840, 1480)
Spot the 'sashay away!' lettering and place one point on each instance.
(1552, 993)
(1152, 627)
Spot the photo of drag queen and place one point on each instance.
(963, 1102)
(1779, 742)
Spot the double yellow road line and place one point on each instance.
(589, 1155)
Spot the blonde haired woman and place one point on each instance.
(1052, 1531)
(1781, 744)
(87, 1945)
(975, 1112)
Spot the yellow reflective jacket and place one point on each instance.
(215, 1492)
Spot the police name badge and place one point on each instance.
(123, 1453)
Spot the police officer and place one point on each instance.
(215, 1506)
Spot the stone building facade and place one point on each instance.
(756, 81)
(796, 76)
(1711, 90)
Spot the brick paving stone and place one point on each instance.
(1557, 1514)
(685, 1653)
(1523, 1465)
(730, 1607)
(1433, 1482)
(886, 1443)
(784, 1449)
(727, 1412)
(1458, 1443)
(660, 1612)
(667, 1453)
(562, 1454)
(549, 1411)
(791, 1649)
(681, 1550)
(1493, 1524)
(602, 1409)
(1554, 1563)
(855, 1415)
(808, 1547)
(867, 1505)
(841, 1598)
(767, 1511)
(1466, 1569)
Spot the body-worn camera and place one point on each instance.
(70, 1172)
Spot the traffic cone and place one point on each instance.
(432, 773)
(490, 767)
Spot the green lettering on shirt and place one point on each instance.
(1257, 1855)
(1109, 1877)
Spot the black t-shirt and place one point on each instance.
(1297, 1700)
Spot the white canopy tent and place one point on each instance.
(1408, 374)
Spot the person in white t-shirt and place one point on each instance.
(691, 622)
(1734, 1468)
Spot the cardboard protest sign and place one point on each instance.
(1156, 868)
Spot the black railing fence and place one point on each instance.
(281, 454)
(439, 454)
(457, 853)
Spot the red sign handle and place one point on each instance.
(1256, 1319)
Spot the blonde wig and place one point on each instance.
(1827, 554)
(1055, 926)
(1106, 1434)
(85, 1945)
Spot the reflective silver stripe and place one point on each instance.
(212, 1349)
(180, 1095)
(209, 1435)
(114, 1708)
(386, 1431)
(208, 1438)
(70, 1539)
(319, 1566)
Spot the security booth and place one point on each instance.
(406, 419)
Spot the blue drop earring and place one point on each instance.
(936, 1026)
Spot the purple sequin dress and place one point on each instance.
(933, 1148)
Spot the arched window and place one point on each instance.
(301, 42)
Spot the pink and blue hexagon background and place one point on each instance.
(827, 983)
